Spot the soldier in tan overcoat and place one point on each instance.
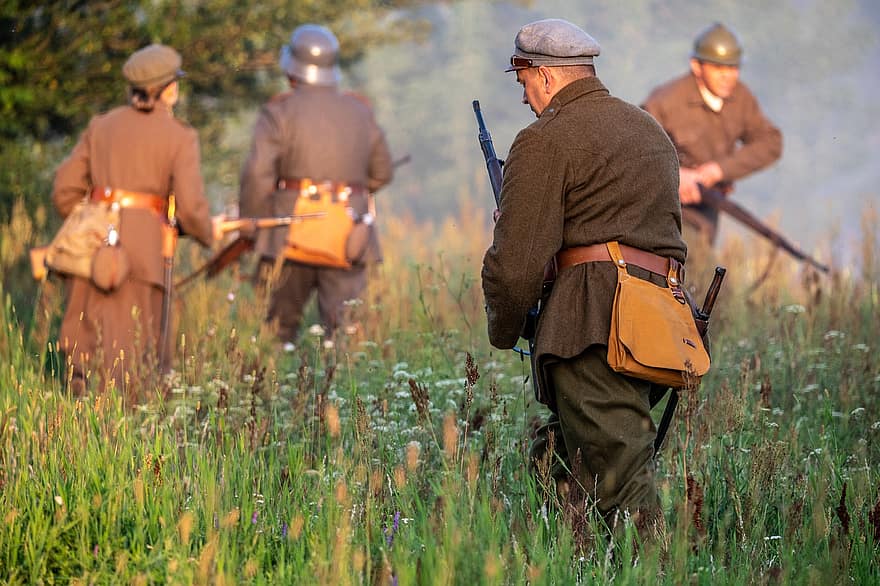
(590, 170)
(718, 128)
(313, 137)
(133, 157)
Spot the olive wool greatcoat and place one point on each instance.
(591, 169)
(739, 137)
(146, 152)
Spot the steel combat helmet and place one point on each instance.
(718, 44)
(311, 55)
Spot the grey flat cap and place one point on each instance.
(152, 66)
(552, 42)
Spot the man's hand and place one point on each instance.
(688, 190)
(710, 173)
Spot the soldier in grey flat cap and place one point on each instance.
(591, 170)
(132, 158)
(315, 149)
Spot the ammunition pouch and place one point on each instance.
(87, 227)
(341, 236)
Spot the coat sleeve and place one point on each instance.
(73, 176)
(527, 235)
(192, 209)
(381, 168)
(761, 143)
(260, 171)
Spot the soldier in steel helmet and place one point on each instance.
(132, 157)
(591, 170)
(717, 126)
(309, 141)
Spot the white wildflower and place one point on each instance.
(795, 308)
(834, 334)
(316, 330)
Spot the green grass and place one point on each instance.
(319, 466)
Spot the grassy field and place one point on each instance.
(396, 455)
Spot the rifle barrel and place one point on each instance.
(716, 199)
(493, 165)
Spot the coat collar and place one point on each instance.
(576, 89)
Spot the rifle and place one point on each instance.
(493, 167)
(716, 199)
(244, 243)
(169, 243)
(701, 318)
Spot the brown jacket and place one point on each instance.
(316, 133)
(144, 152)
(739, 137)
(591, 169)
(136, 151)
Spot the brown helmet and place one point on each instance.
(718, 44)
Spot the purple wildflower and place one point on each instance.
(283, 529)
(254, 518)
(389, 533)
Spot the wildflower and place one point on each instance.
(283, 529)
(328, 344)
(395, 525)
(289, 347)
(59, 501)
(254, 518)
(316, 330)
(230, 297)
(861, 347)
(794, 309)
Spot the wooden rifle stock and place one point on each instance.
(702, 315)
(224, 225)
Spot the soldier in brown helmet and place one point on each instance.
(590, 172)
(717, 126)
(130, 159)
(315, 149)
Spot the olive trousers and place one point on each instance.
(605, 418)
(295, 285)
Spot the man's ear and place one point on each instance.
(546, 77)
(696, 67)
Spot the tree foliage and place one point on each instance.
(60, 61)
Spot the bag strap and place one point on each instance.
(617, 256)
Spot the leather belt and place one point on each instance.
(599, 252)
(131, 199)
(338, 190)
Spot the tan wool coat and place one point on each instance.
(146, 152)
(740, 138)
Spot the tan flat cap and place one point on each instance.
(152, 66)
(552, 42)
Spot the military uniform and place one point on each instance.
(314, 132)
(738, 137)
(591, 169)
(147, 152)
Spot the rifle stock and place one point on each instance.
(717, 200)
(224, 225)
